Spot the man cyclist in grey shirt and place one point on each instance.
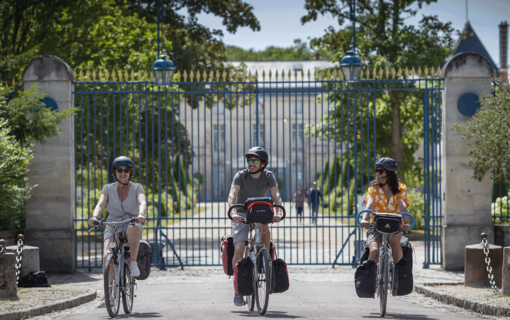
(252, 182)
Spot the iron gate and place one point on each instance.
(188, 140)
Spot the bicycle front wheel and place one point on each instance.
(128, 292)
(263, 281)
(111, 286)
(383, 283)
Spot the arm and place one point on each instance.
(402, 207)
(98, 210)
(365, 221)
(275, 192)
(232, 196)
(142, 206)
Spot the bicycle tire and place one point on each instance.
(383, 285)
(127, 281)
(111, 291)
(263, 281)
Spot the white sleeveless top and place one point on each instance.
(129, 207)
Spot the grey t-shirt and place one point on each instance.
(253, 188)
(129, 207)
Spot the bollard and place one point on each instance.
(505, 286)
(7, 273)
(475, 267)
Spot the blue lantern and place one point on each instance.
(163, 71)
(351, 66)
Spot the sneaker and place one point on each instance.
(133, 266)
(238, 300)
(101, 303)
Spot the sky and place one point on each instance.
(280, 22)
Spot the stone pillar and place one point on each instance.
(50, 210)
(466, 202)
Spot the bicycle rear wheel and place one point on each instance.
(128, 284)
(383, 284)
(111, 286)
(262, 284)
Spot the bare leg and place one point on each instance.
(396, 248)
(106, 250)
(239, 252)
(374, 251)
(133, 236)
(265, 237)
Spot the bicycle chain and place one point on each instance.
(488, 262)
(19, 257)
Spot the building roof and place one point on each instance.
(469, 42)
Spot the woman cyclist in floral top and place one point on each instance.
(387, 195)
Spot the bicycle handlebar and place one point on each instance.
(373, 213)
(97, 223)
(242, 206)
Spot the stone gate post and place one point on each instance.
(466, 202)
(49, 212)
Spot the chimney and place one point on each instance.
(317, 56)
(503, 50)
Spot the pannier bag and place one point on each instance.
(403, 281)
(387, 223)
(34, 279)
(227, 254)
(365, 252)
(280, 281)
(243, 277)
(144, 258)
(364, 279)
(259, 210)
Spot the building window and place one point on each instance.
(298, 107)
(261, 135)
(297, 137)
(219, 137)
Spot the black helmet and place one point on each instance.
(122, 161)
(258, 152)
(388, 164)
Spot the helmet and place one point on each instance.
(122, 161)
(388, 164)
(258, 152)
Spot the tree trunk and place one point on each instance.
(397, 147)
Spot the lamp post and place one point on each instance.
(162, 68)
(351, 64)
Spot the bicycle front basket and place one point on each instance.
(259, 210)
(387, 223)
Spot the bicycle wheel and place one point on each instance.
(128, 292)
(111, 286)
(383, 284)
(262, 285)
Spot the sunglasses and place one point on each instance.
(127, 170)
(379, 171)
(254, 161)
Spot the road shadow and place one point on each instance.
(269, 314)
(400, 316)
(136, 315)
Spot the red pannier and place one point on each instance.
(227, 254)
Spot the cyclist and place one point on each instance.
(123, 200)
(252, 182)
(387, 195)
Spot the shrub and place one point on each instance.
(417, 207)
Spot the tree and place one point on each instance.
(300, 51)
(384, 39)
(489, 135)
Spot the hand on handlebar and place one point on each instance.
(236, 217)
(406, 227)
(277, 218)
(141, 218)
(91, 221)
(365, 224)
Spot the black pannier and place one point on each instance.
(280, 277)
(34, 279)
(243, 277)
(144, 258)
(364, 279)
(403, 281)
(387, 223)
(365, 253)
(259, 210)
(227, 254)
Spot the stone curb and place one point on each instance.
(48, 308)
(462, 302)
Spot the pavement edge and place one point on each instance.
(461, 301)
(48, 308)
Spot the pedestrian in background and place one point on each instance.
(314, 201)
(299, 200)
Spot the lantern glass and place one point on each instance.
(163, 71)
(351, 66)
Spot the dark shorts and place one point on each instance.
(299, 211)
(373, 236)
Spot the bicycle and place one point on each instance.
(118, 281)
(260, 258)
(385, 223)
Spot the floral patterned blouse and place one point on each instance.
(380, 202)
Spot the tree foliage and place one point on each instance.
(489, 135)
(300, 51)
